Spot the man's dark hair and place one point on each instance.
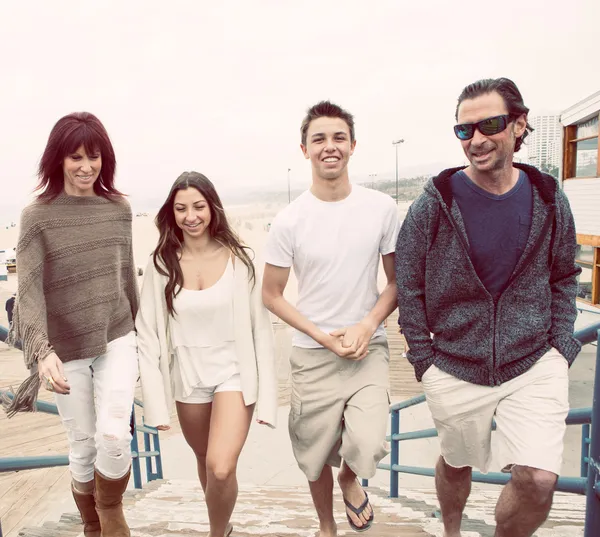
(508, 91)
(326, 109)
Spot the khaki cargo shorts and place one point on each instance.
(530, 412)
(339, 409)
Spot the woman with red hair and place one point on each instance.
(74, 315)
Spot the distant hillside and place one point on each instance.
(408, 189)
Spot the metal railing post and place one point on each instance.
(158, 458)
(135, 450)
(395, 454)
(592, 516)
(148, 447)
(585, 448)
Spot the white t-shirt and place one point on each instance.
(334, 249)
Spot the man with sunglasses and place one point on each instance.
(487, 281)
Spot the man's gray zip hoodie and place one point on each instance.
(447, 315)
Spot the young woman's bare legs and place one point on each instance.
(229, 425)
(195, 425)
(217, 432)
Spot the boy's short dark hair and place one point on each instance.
(326, 109)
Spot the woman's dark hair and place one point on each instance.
(508, 91)
(167, 253)
(69, 133)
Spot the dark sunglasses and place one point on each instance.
(487, 127)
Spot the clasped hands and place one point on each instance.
(351, 342)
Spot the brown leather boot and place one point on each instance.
(109, 505)
(86, 504)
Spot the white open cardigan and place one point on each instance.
(254, 344)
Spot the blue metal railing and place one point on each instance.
(13, 464)
(150, 452)
(151, 449)
(589, 481)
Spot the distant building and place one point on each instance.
(544, 143)
(580, 174)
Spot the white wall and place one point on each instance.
(584, 197)
(582, 110)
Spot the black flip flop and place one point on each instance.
(358, 511)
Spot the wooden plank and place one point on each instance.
(45, 508)
(577, 140)
(8, 481)
(25, 480)
(588, 240)
(35, 492)
(568, 169)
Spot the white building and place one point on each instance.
(544, 143)
(580, 174)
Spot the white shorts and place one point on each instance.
(530, 412)
(205, 394)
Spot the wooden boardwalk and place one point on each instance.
(170, 508)
(27, 497)
(177, 507)
(403, 384)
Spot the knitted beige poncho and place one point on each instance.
(77, 287)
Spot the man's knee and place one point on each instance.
(365, 432)
(452, 473)
(366, 449)
(537, 485)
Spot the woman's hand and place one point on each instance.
(52, 375)
(163, 427)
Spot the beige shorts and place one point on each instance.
(530, 412)
(339, 409)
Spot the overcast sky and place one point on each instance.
(221, 87)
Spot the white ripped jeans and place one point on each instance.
(97, 412)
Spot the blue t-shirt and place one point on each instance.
(497, 227)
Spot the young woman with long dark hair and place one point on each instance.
(74, 316)
(205, 339)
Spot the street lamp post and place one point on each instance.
(397, 143)
(289, 191)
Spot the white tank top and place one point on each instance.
(202, 335)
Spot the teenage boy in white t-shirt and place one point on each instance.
(333, 235)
